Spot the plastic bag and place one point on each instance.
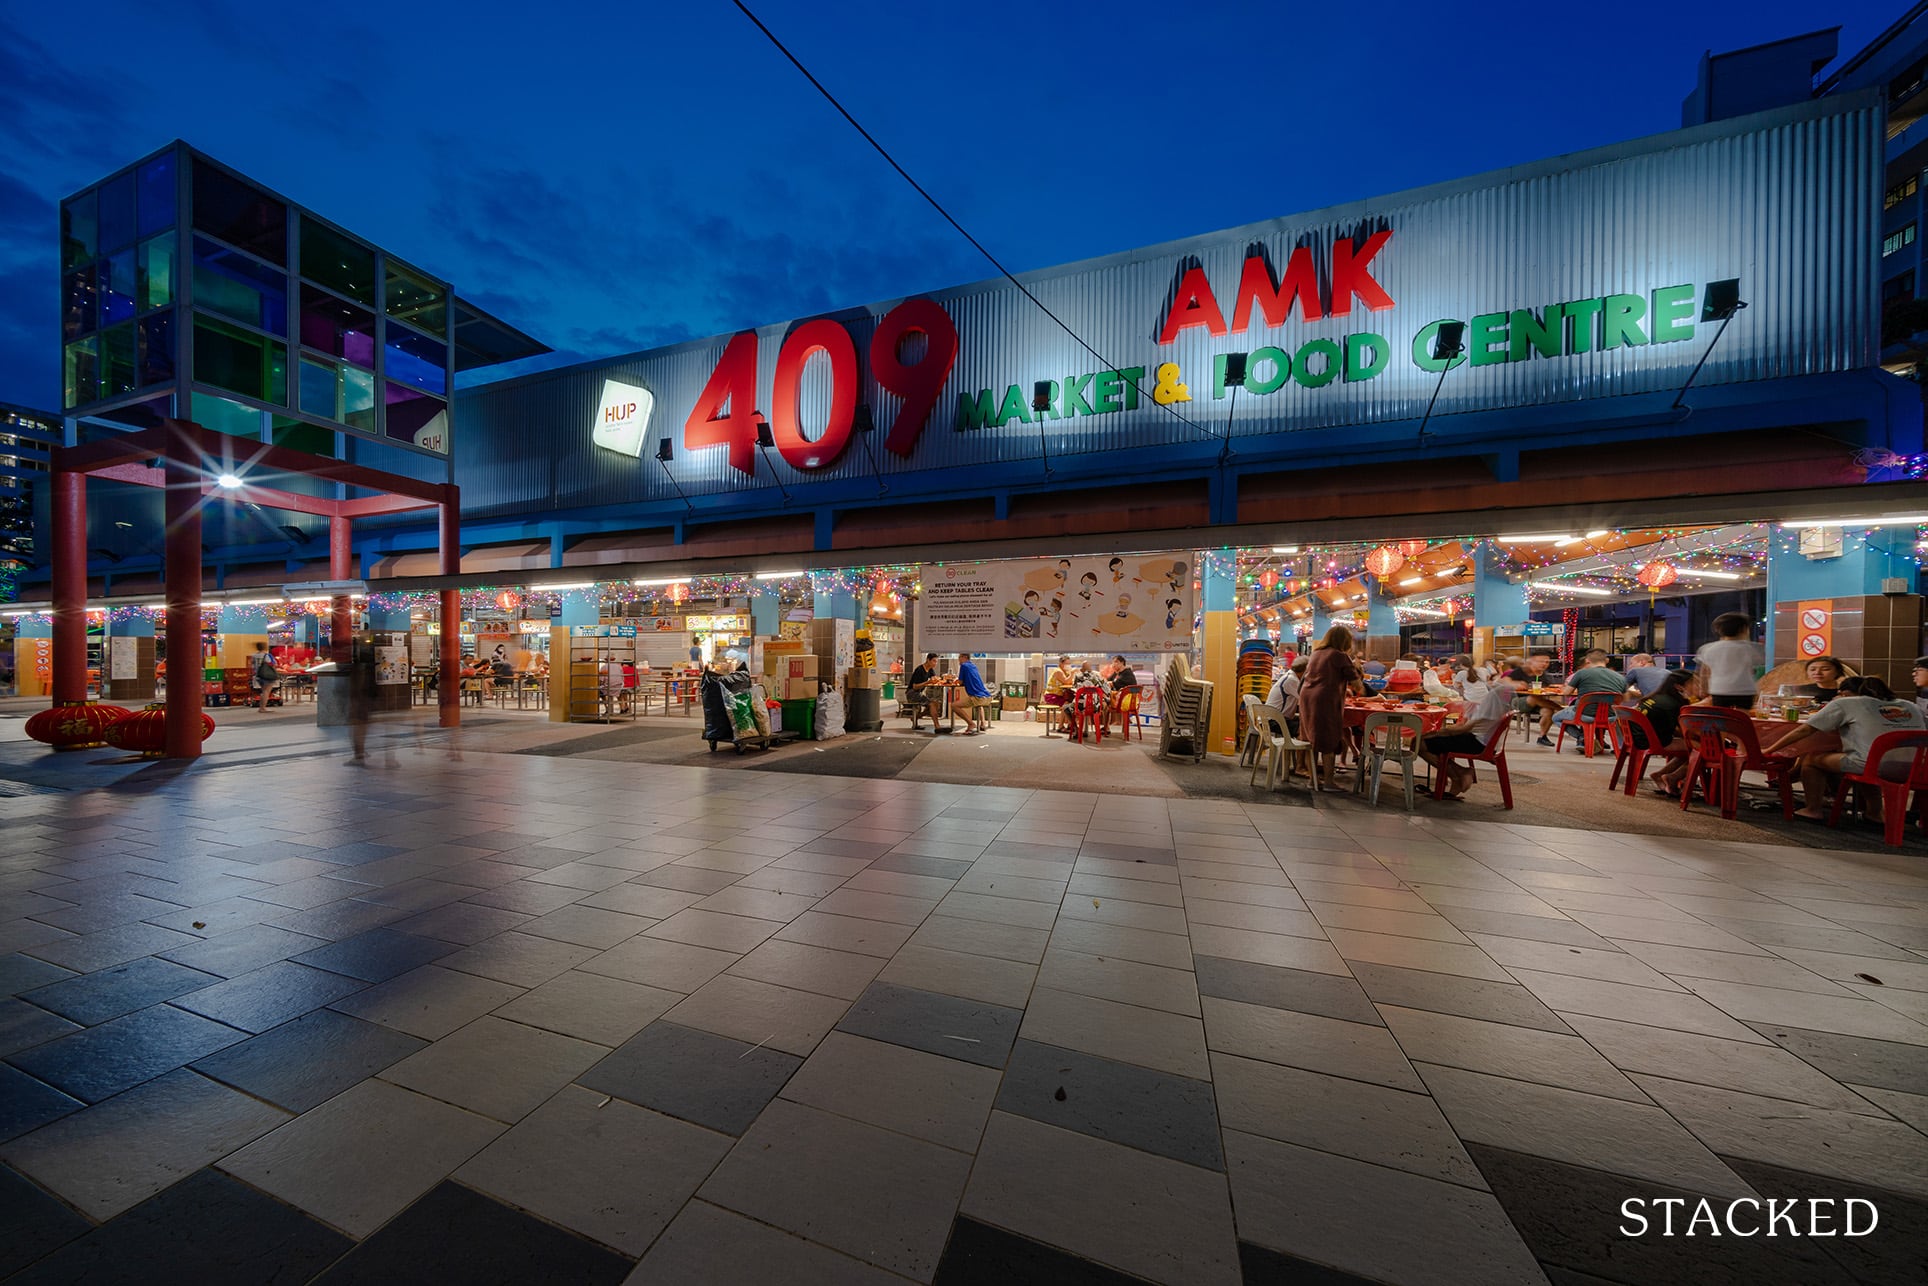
(830, 715)
(760, 709)
(743, 714)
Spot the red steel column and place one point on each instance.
(70, 587)
(449, 687)
(341, 566)
(182, 569)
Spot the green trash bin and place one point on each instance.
(800, 716)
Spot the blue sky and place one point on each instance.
(613, 176)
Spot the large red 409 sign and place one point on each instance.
(722, 414)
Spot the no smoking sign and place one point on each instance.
(1813, 619)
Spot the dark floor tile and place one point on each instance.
(943, 868)
(980, 1255)
(102, 1061)
(1173, 1116)
(375, 956)
(32, 1222)
(27, 1104)
(1065, 853)
(20, 973)
(709, 1079)
(1261, 1266)
(865, 849)
(96, 997)
(1497, 1002)
(969, 1030)
(356, 854)
(269, 996)
(22, 1026)
(1893, 1255)
(207, 1229)
(1130, 853)
(229, 955)
(1571, 1217)
(690, 879)
(301, 1064)
(1301, 990)
(455, 1236)
(1858, 1060)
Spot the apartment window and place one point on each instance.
(1901, 192)
(1896, 289)
(1898, 239)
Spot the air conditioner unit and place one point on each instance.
(1895, 585)
(1820, 542)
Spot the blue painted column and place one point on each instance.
(579, 607)
(388, 620)
(838, 604)
(766, 612)
(1381, 620)
(132, 625)
(1496, 600)
(1866, 559)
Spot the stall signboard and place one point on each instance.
(123, 658)
(532, 627)
(1540, 629)
(1092, 604)
(717, 624)
(391, 664)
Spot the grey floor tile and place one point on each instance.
(907, 883)
(846, 933)
(1413, 953)
(375, 956)
(941, 1100)
(269, 996)
(1152, 1038)
(242, 951)
(1500, 1002)
(1146, 946)
(341, 919)
(1309, 992)
(1680, 1010)
(86, 952)
(429, 1002)
(1553, 927)
(689, 879)
(1152, 1111)
(998, 884)
(1346, 1117)
(798, 965)
(526, 897)
(1708, 1060)
(462, 923)
(888, 907)
(519, 959)
(117, 1154)
(20, 973)
(960, 973)
(1854, 1059)
(1909, 1108)
(1609, 965)
(1843, 1015)
(1729, 966)
(643, 900)
(709, 1246)
(360, 1158)
(102, 1061)
(985, 938)
(590, 1006)
(1637, 1140)
(1133, 1211)
(574, 1161)
(1285, 951)
(809, 884)
(92, 998)
(303, 1063)
(654, 962)
(1309, 1041)
(695, 1075)
(972, 1031)
(27, 1104)
(1103, 886)
(756, 903)
(1152, 986)
(22, 1026)
(495, 1067)
(586, 926)
(1299, 923)
(1543, 1057)
(1331, 1210)
(1846, 1145)
(760, 1012)
(893, 1207)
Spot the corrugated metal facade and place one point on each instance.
(1786, 202)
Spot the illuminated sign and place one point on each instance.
(622, 418)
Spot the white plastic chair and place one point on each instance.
(1396, 737)
(1278, 747)
(1254, 731)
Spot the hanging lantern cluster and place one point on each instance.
(1411, 548)
(1385, 560)
(1656, 574)
(1268, 579)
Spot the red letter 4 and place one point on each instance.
(723, 412)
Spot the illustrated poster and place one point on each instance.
(1098, 604)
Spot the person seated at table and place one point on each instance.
(1059, 683)
(1729, 662)
(1403, 679)
(1862, 710)
(1644, 678)
(1122, 676)
(1470, 681)
(1086, 676)
(539, 665)
(1594, 675)
(1372, 669)
(1329, 676)
(1284, 696)
(918, 695)
(1467, 735)
(973, 698)
(1436, 681)
(1661, 709)
(1824, 675)
(1531, 674)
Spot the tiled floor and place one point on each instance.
(521, 1018)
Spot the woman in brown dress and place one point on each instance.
(1322, 698)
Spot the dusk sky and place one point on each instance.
(611, 177)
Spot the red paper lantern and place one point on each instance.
(1268, 579)
(1411, 548)
(145, 730)
(74, 726)
(1656, 574)
(508, 600)
(1384, 561)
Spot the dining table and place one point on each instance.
(1771, 730)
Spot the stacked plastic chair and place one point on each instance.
(1256, 658)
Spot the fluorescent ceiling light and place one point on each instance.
(1596, 535)
(667, 580)
(587, 584)
(1412, 580)
(1713, 575)
(1573, 589)
(1540, 539)
(1899, 520)
(780, 575)
(1285, 549)
(1563, 543)
(245, 602)
(1422, 611)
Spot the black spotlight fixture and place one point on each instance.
(1449, 342)
(1040, 403)
(862, 421)
(664, 454)
(1235, 364)
(664, 451)
(1721, 301)
(765, 439)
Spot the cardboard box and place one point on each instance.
(783, 647)
(864, 677)
(805, 666)
(1014, 703)
(801, 689)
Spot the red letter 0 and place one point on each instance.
(785, 422)
(732, 383)
(920, 384)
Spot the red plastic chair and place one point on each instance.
(1590, 716)
(1894, 794)
(1494, 753)
(1634, 742)
(1087, 708)
(1726, 744)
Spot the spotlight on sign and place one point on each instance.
(764, 437)
(1449, 341)
(664, 451)
(1722, 301)
(1234, 370)
(1041, 395)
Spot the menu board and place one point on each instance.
(391, 664)
(123, 658)
(1096, 604)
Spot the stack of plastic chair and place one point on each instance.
(1395, 737)
(1187, 706)
(1256, 658)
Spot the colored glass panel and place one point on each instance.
(154, 195)
(117, 213)
(156, 272)
(416, 418)
(303, 436)
(239, 287)
(156, 354)
(118, 286)
(79, 229)
(338, 262)
(320, 388)
(336, 327)
(80, 372)
(240, 215)
(224, 416)
(413, 298)
(117, 360)
(416, 359)
(79, 303)
(240, 361)
(358, 398)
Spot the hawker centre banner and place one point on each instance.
(1587, 276)
(1087, 606)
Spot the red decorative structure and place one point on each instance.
(74, 725)
(1656, 574)
(145, 730)
(1268, 579)
(1411, 548)
(1385, 560)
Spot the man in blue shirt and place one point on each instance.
(973, 698)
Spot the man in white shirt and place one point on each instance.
(1727, 664)
(1284, 695)
(1467, 736)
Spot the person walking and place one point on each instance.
(1329, 676)
(265, 678)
